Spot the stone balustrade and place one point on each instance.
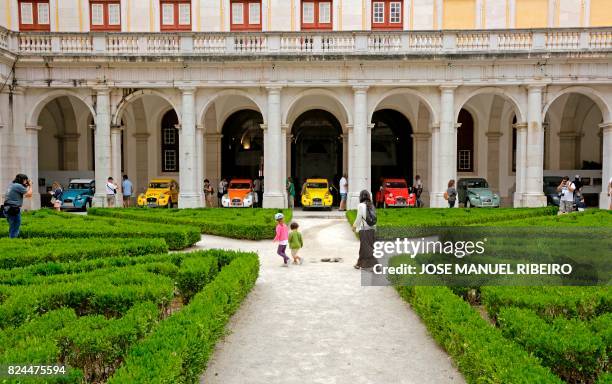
(304, 43)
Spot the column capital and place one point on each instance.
(421, 135)
(284, 128)
(264, 127)
(606, 127)
(116, 129)
(68, 136)
(458, 125)
(200, 127)
(187, 89)
(448, 87)
(568, 135)
(349, 127)
(141, 135)
(360, 88)
(274, 88)
(371, 126)
(494, 135)
(520, 126)
(536, 87)
(214, 136)
(33, 128)
(435, 127)
(17, 90)
(101, 89)
(178, 127)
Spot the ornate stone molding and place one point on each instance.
(33, 129)
(421, 135)
(606, 127)
(141, 136)
(520, 126)
(264, 127)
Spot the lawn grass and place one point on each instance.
(238, 223)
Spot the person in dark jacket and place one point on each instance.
(13, 201)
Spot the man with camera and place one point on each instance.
(566, 199)
(13, 201)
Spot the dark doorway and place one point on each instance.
(242, 145)
(465, 142)
(392, 150)
(316, 149)
(170, 142)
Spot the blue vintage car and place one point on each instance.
(79, 194)
(475, 192)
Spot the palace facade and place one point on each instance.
(507, 90)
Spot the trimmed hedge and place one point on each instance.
(238, 223)
(589, 218)
(567, 347)
(50, 224)
(482, 354)
(179, 348)
(550, 302)
(24, 252)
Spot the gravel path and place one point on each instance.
(315, 323)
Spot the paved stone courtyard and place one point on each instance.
(315, 323)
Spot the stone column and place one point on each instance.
(567, 146)
(102, 139)
(116, 155)
(447, 144)
(284, 159)
(70, 144)
(212, 160)
(434, 192)
(534, 193)
(189, 196)
(345, 152)
(521, 163)
(142, 163)
(201, 155)
(420, 143)
(360, 163)
(606, 174)
(32, 166)
(274, 192)
(493, 159)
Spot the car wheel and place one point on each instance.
(468, 204)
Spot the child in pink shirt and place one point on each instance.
(282, 236)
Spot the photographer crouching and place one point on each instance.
(13, 201)
(566, 196)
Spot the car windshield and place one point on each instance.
(552, 181)
(78, 186)
(159, 185)
(476, 184)
(395, 184)
(240, 186)
(316, 185)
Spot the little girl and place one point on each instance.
(295, 243)
(282, 236)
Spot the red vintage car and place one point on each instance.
(395, 193)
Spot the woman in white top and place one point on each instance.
(367, 234)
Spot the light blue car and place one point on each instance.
(475, 192)
(79, 194)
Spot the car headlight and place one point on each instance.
(78, 197)
(391, 195)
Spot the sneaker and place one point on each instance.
(285, 265)
(301, 260)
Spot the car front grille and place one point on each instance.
(151, 200)
(68, 201)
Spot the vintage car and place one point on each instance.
(316, 193)
(239, 194)
(79, 194)
(395, 193)
(475, 192)
(161, 193)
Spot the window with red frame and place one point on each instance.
(175, 15)
(245, 15)
(316, 14)
(105, 15)
(34, 15)
(387, 14)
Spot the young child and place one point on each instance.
(295, 243)
(282, 236)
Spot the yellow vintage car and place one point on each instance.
(316, 194)
(161, 193)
